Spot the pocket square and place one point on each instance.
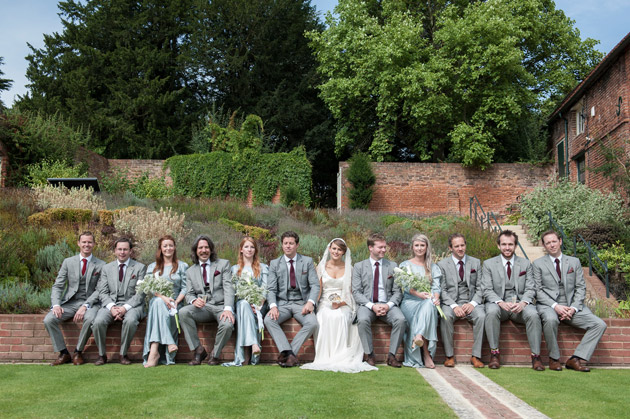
(390, 277)
(570, 271)
(304, 272)
(472, 271)
(133, 276)
(522, 273)
(217, 273)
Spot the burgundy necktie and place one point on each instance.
(205, 274)
(121, 272)
(558, 271)
(461, 270)
(84, 268)
(509, 271)
(292, 275)
(375, 288)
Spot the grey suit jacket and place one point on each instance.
(278, 280)
(67, 283)
(494, 277)
(109, 284)
(450, 280)
(546, 279)
(363, 282)
(221, 288)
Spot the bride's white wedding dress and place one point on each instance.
(337, 344)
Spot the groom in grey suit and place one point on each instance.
(210, 295)
(461, 298)
(75, 296)
(377, 296)
(117, 292)
(560, 292)
(509, 290)
(292, 291)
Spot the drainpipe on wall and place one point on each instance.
(566, 145)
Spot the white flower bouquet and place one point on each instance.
(248, 289)
(153, 284)
(407, 280)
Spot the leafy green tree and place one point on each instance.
(117, 67)
(5, 84)
(462, 81)
(362, 178)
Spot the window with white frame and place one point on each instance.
(580, 118)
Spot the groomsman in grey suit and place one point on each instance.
(560, 290)
(210, 295)
(461, 298)
(509, 290)
(293, 289)
(117, 292)
(377, 296)
(75, 296)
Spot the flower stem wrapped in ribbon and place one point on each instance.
(248, 289)
(408, 280)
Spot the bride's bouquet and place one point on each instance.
(406, 279)
(248, 289)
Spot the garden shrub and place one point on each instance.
(289, 195)
(49, 196)
(147, 226)
(151, 187)
(390, 219)
(23, 298)
(37, 174)
(362, 178)
(46, 217)
(115, 181)
(572, 205)
(257, 233)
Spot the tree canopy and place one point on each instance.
(460, 81)
(5, 84)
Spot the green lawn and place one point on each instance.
(218, 392)
(602, 393)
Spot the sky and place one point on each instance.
(26, 21)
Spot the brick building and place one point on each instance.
(593, 116)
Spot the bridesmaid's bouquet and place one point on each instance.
(153, 284)
(406, 279)
(248, 289)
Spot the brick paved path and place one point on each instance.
(472, 395)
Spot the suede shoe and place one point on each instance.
(476, 362)
(576, 364)
(555, 365)
(495, 363)
(537, 364)
(63, 359)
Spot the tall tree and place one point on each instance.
(117, 68)
(463, 81)
(5, 84)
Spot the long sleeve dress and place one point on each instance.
(247, 332)
(161, 326)
(421, 316)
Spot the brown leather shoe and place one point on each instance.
(213, 361)
(476, 362)
(102, 360)
(291, 361)
(199, 355)
(555, 365)
(62, 359)
(537, 364)
(124, 360)
(392, 361)
(77, 358)
(369, 358)
(495, 363)
(576, 364)
(449, 362)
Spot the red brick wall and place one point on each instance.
(604, 128)
(136, 168)
(438, 188)
(23, 338)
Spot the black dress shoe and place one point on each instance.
(282, 358)
(291, 361)
(199, 355)
(63, 359)
(102, 360)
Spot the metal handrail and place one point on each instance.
(483, 218)
(592, 255)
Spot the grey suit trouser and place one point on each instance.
(529, 317)
(129, 326)
(584, 319)
(394, 317)
(292, 309)
(476, 317)
(52, 325)
(190, 315)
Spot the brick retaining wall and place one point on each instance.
(23, 338)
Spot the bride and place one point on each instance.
(337, 344)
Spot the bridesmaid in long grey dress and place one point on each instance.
(160, 340)
(247, 348)
(419, 308)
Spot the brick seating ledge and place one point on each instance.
(23, 339)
